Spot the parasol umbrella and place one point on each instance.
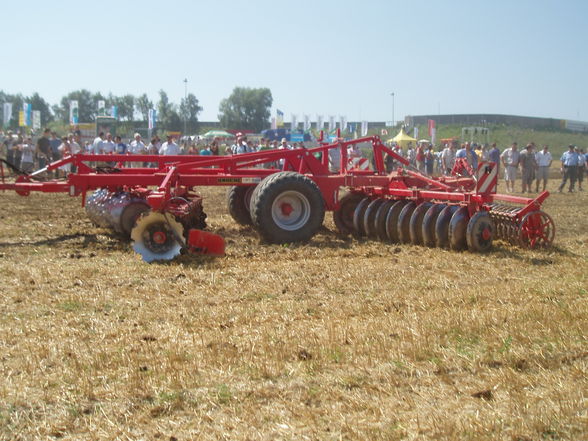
(402, 139)
(218, 134)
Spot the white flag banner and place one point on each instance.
(433, 135)
(364, 128)
(152, 118)
(36, 119)
(319, 122)
(274, 123)
(306, 123)
(331, 123)
(101, 107)
(416, 132)
(343, 123)
(294, 123)
(7, 109)
(74, 112)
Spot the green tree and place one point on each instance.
(38, 103)
(125, 105)
(167, 115)
(189, 110)
(142, 105)
(88, 107)
(246, 108)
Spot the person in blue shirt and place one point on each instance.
(569, 167)
(469, 154)
(121, 147)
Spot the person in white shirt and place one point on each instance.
(97, 145)
(169, 147)
(64, 151)
(27, 149)
(544, 160)
(448, 159)
(137, 146)
(108, 146)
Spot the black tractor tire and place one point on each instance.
(287, 207)
(238, 199)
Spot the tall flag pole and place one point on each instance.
(7, 116)
(74, 112)
(279, 118)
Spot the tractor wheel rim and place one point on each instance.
(291, 210)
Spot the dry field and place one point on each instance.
(331, 340)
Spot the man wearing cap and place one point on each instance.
(544, 160)
(169, 147)
(569, 168)
(510, 160)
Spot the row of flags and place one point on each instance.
(27, 117)
(278, 121)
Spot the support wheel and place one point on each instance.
(429, 222)
(238, 200)
(343, 217)
(457, 229)
(392, 220)
(287, 207)
(480, 232)
(537, 230)
(369, 218)
(157, 236)
(415, 227)
(380, 220)
(442, 226)
(404, 222)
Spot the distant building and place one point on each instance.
(494, 119)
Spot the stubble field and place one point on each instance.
(337, 339)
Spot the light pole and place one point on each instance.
(392, 109)
(185, 104)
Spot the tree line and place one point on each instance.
(244, 109)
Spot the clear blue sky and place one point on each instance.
(318, 57)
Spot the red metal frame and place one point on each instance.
(172, 175)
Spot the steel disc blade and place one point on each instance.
(442, 226)
(429, 222)
(155, 237)
(369, 217)
(457, 229)
(358, 217)
(415, 226)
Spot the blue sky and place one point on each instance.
(317, 57)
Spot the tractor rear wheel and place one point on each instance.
(287, 207)
(238, 199)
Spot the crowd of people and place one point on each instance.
(531, 163)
